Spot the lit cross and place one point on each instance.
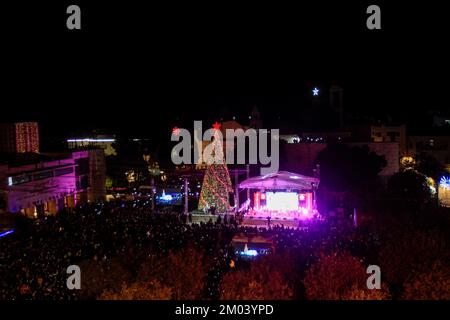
(315, 91)
(216, 125)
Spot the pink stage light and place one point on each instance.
(309, 201)
(256, 200)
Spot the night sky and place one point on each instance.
(142, 70)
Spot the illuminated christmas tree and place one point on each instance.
(216, 183)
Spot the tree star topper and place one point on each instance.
(315, 91)
(216, 125)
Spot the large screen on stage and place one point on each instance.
(282, 201)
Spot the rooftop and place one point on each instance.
(21, 159)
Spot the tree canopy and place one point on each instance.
(344, 168)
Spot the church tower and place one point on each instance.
(255, 118)
(337, 102)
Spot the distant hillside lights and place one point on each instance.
(213, 152)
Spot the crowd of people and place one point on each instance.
(33, 261)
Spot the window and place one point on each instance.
(82, 166)
(24, 178)
(82, 183)
(393, 135)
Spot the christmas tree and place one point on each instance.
(216, 183)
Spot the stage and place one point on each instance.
(263, 223)
(280, 197)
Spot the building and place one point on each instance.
(19, 137)
(301, 157)
(380, 133)
(437, 146)
(42, 184)
(389, 134)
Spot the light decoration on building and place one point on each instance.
(445, 182)
(407, 162)
(431, 185)
(444, 191)
(27, 137)
(256, 199)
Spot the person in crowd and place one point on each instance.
(33, 261)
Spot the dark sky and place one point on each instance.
(143, 69)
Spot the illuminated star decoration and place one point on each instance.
(176, 130)
(445, 182)
(216, 125)
(315, 91)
